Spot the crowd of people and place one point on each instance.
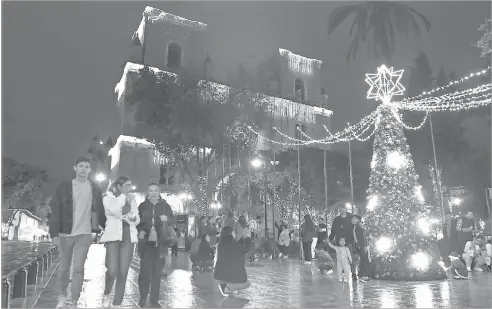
(223, 245)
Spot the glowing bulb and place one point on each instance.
(383, 244)
(456, 201)
(100, 177)
(396, 160)
(134, 187)
(256, 163)
(373, 202)
(419, 195)
(424, 225)
(420, 261)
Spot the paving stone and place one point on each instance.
(283, 283)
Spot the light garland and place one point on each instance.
(450, 84)
(459, 100)
(299, 63)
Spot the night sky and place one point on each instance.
(61, 61)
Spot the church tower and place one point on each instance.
(300, 78)
(169, 42)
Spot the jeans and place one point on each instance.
(119, 255)
(306, 248)
(76, 248)
(174, 250)
(365, 269)
(149, 277)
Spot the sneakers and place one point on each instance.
(469, 269)
(365, 279)
(329, 272)
(106, 303)
(62, 302)
(307, 262)
(478, 269)
(224, 290)
(280, 255)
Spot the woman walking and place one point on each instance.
(153, 213)
(230, 270)
(308, 231)
(119, 237)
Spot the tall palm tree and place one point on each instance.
(376, 22)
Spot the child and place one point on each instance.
(230, 269)
(204, 257)
(473, 253)
(325, 262)
(457, 268)
(344, 259)
(362, 248)
(284, 242)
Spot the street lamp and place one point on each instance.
(100, 177)
(256, 163)
(215, 206)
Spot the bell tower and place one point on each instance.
(300, 78)
(169, 42)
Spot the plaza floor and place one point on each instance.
(281, 283)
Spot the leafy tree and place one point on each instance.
(21, 188)
(188, 121)
(375, 23)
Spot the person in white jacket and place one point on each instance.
(119, 237)
(284, 242)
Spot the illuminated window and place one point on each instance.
(174, 55)
(299, 89)
(298, 134)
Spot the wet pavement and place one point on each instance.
(16, 254)
(282, 283)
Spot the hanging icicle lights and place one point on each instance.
(455, 101)
(299, 63)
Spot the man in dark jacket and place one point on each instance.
(76, 212)
(153, 212)
(342, 227)
(362, 248)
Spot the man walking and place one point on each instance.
(76, 211)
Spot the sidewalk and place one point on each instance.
(280, 283)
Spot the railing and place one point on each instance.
(16, 282)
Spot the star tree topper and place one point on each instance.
(384, 84)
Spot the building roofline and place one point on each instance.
(308, 116)
(157, 15)
(27, 212)
(285, 52)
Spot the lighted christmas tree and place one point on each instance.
(397, 218)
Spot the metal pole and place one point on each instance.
(265, 203)
(436, 169)
(249, 179)
(326, 186)
(222, 178)
(299, 197)
(351, 178)
(273, 201)
(144, 43)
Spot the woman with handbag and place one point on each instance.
(155, 215)
(119, 237)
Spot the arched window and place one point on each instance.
(299, 89)
(174, 55)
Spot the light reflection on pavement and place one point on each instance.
(284, 283)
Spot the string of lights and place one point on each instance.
(451, 83)
(459, 100)
(420, 125)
